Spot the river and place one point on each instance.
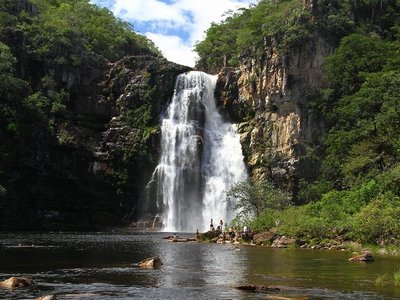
(104, 266)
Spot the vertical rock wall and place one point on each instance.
(268, 97)
(90, 172)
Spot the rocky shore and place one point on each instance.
(359, 252)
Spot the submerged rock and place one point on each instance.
(17, 282)
(151, 263)
(364, 256)
(47, 297)
(174, 238)
(258, 288)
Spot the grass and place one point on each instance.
(396, 278)
(382, 279)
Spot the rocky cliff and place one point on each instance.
(89, 173)
(268, 97)
(81, 95)
(273, 79)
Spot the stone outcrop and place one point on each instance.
(47, 297)
(17, 282)
(283, 242)
(268, 96)
(264, 238)
(258, 288)
(154, 262)
(365, 256)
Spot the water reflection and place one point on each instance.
(104, 266)
(200, 265)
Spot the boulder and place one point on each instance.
(151, 263)
(258, 288)
(364, 256)
(17, 282)
(183, 240)
(283, 242)
(264, 238)
(47, 297)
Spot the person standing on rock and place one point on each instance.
(245, 231)
(211, 225)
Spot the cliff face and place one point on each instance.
(90, 171)
(268, 97)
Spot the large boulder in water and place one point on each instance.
(151, 263)
(17, 282)
(365, 256)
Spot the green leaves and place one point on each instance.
(253, 197)
(246, 31)
(68, 32)
(378, 222)
(356, 56)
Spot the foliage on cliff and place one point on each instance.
(357, 194)
(284, 24)
(360, 166)
(55, 56)
(39, 41)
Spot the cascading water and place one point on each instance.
(201, 157)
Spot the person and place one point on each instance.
(245, 231)
(221, 223)
(211, 225)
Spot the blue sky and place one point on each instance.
(173, 25)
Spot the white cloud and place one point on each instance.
(167, 22)
(148, 10)
(207, 11)
(173, 48)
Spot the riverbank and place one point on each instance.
(271, 239)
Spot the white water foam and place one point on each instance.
(201, 158)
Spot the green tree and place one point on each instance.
(253, 197)
(356, 56)
(378, 222)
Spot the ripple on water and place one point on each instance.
(103, 266)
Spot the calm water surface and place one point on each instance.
(104, 266)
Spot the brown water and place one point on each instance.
(103, 266)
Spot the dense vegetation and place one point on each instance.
(53, 53)
(36, 46)
(357, 194)
(285, 24)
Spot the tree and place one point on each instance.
(253, 197)
(356, 56)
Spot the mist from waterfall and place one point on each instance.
(201, 158)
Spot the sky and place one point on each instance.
(173, 25)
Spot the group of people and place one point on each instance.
(220, 227)
(231, 231)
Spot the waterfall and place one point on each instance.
(201, 157)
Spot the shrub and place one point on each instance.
(302, 222)
(268, 219)
(378, 222)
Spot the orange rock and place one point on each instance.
(151, 263)
(364, 256)
(17, 282)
